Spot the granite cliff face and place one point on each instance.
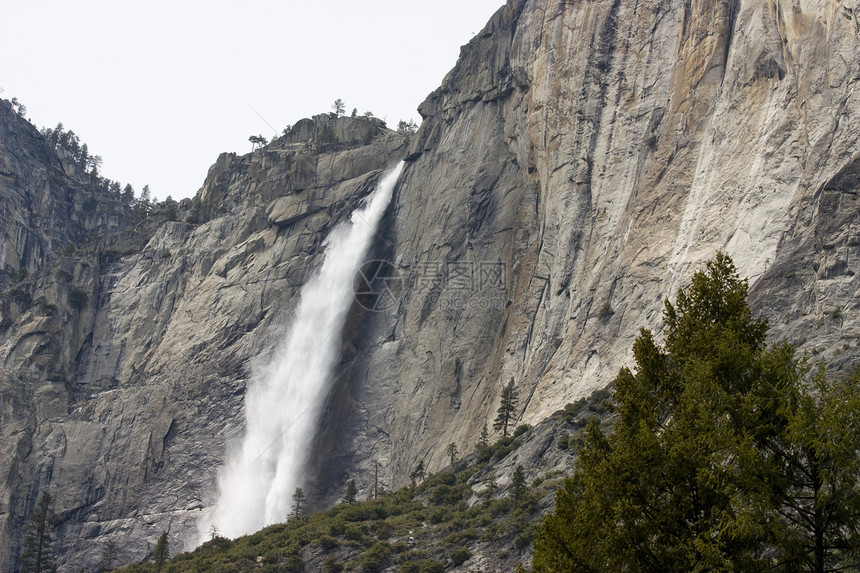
(572, 170)
(120, 402)
(598, 153)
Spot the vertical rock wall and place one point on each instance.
(572, 170)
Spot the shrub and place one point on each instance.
(651, 141)
(522, 540)
(327, 542)
(459, 556)
(399, 547)
(326, 138)
(499, 507)
(598, 402)
(444, 494)
(331, 565)
(355, 531)
(293, 564)
(77, 299)
(383, 530)
(20, 296)
(372, 559)
(336, 527)
(605, 311)
(500, 449)
(431, 566)
(18, 275)
(521, 429)
(439, 515)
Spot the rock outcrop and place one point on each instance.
(124, 372)
(574, 168)
(596, 154)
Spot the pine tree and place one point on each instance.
(815, 488)
(722, 457)
(518, 486)
(452, 452)
(298, 502)
(36, 553)
(108, 557)
(83, 157)
(484, 440)
(143, 205)
(94, 163)
(161, 553)
(375, 479)
(668, 495)
(418, 473)
(257, 141)
(54, 139)
(506, 408)
(351, 492)
(128, 195)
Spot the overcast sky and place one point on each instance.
(159, 88)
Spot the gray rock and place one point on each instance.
(575, 167)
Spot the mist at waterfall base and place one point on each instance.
(283, 400)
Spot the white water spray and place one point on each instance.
(283, 402)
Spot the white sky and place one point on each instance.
(159, 88)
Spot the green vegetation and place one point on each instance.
(351, 492)
(257, 141)
(459, 555)
(37, 555)
(452, 452)
(518, 486)
(20, 297)
(418, 474)
(326, 139)
(70, 148)
(298, 502)
(161, 553)
(727, 454)
(651, 141)
(77, 299)
(407, 127)
(108, 557)
(69, 145)
(19, 107)
(506, 408)
(605, 311)
(420, 528)
(16, 275)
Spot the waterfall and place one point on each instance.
(283, 400)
